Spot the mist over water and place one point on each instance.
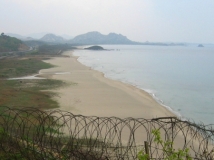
(180, 77)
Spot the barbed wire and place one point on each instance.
(54, 134)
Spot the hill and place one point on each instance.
(8, 44)
(52, 38)
(94, 48)
(98, 38)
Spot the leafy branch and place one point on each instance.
(168, 150)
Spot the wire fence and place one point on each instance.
(30, 133)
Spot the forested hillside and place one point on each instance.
(8, 43)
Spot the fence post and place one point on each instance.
(172, 124)
(146, 148)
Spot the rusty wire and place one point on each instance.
(56, 134)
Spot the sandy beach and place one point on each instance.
(90, 93)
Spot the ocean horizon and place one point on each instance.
(178, 77)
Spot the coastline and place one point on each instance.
(92, 94)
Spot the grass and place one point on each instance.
(17, 67)
(25, 93)
(29, 93)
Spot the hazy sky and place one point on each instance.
(139, 20)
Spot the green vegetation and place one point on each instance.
(54, 49)
(94, 48)
(46, 50)
(15, 67)
(8, 43)
(37, 135)
(34, 134)
(168, 150)
(34, 43)
(29, 93)
(22, 146)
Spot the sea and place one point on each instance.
(181, 78)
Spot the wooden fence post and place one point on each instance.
(146, 149)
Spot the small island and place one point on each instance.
(95, 48)
(200, 45)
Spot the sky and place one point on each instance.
(138, 20)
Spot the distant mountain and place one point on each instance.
(37, 35)
(90, 38)
(52, 38)
(15, 35)
(200, 45)
(23, 38)
(98, 38)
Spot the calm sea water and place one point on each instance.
(179, 77)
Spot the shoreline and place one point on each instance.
(96, 95)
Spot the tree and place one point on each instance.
(2, 34)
